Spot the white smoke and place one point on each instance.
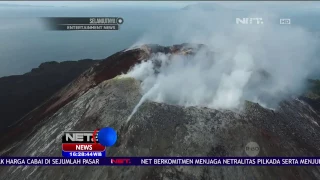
(261, 63)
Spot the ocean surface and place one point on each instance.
(25, 43)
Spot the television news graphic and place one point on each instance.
(161, 161)
(88, 143)
(83, 23)
(107, 136)
(82, 144)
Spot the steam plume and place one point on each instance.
(261, 63)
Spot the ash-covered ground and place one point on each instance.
(100, 98)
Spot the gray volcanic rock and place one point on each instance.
(99, 98)
(166, 130)
(107, 68)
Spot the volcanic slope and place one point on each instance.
(166, 130)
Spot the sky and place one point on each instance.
(240, 5)
(99, 3)
(165, 3)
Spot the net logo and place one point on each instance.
(120, 161)
(285, 21)
(249, 21)
(79, 136)
(83, 143)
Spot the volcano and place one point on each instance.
(101, 97)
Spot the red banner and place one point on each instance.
(82, 147)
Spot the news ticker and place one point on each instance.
(88, 144)
(83, 23)
(161, 161)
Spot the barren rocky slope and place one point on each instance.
(106, 69)
(165, 130)
(100, 99)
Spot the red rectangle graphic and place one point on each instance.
(83, 147)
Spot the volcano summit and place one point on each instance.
(184, 122)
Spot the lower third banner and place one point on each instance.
(161, 161)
